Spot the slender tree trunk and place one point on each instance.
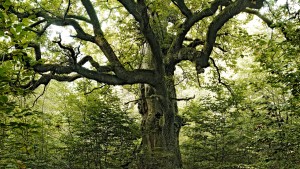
(160, 126)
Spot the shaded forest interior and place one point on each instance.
(145, 84)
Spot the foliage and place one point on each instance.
(257, 125)
(258, 132)
(91, 131)
(96, 132)
(247, 116)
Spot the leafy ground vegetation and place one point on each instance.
(148, 84)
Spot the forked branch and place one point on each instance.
(219, 77)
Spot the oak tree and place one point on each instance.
(122, 42)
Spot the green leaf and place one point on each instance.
(1, 33)
(13, 31)
(7, 4)
(19, 28)
(3, 99)
(26, 21)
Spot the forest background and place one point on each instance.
(241, 112)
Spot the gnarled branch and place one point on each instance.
(227, 13)
(140, 13)
(189, 22)
(95, 64)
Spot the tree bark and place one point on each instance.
(160, 126)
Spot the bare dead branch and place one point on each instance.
(184, 99)
(96, 88)
(43, 92)
(219, 77)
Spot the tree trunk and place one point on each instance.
(160, 127)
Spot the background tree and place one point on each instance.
(260, 121)
(96, 132)
(150, 38)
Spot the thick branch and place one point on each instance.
(183, 8)
(227, 13)
(67, 20)
(114, 75)
(65, 78)
(132, 8)
(187, 53)
(46, 78)
(197, 42)
(121, 76)
(101, 41)
(93, 16)
(132, 77)
(95, 64)
(269, 22)
(79, 30)
(72, 52)
(262, 17)
(56, 68)
(37, 50)
(150, 37)
(189, 22)
(109, 53)
(37, 23)
(61, 72)
(139, 12)
(80, 18)
(190, 53)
